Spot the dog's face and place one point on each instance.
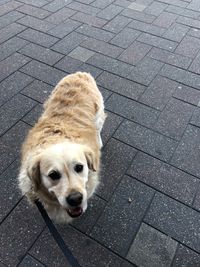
(63, 170)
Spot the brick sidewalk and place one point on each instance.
(145, 56)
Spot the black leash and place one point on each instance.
(57, 237)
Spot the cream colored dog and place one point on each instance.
(61, 154)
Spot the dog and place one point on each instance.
(60, 157)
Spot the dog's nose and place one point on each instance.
(74, 199)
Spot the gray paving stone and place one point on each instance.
(194, 5)
(195, 66)
(32, 117)
(89, 19)
(152, 248)
(88, 9)
(109, 12)
(127, 264)
(189, 46)
(176, 32)
(196, 117)
(182, 76)
(34, 11)
(40, 53)
(68, 64)
(175, 220)
(12, 64)
(37, 3)
(9, 31)
(185, 257)
(170, 58)
(155, 8)
(31, 262)
(18, 232)
(196, 203)
(138, 15)
(137, 7)
(64, 28)
(43, 72)
(81, 246)
(145, 71)
(110, 64)
(125, 38)
(102, 3)
(146, 140)
(10, 6)
(145, 27)
(55, 5)
(159, 92)
(179, 3)
(189, 22)
(194, 32)
(174, 119)
(38, 37)
(102, 47)
(123, 3)
(132, 110)
(187, 94)
(120, 85)
(117, 24)
(38, 91)
(120, 209)
(96, 33)
(36, 23)
(9, 18)
(165, 20)
(163, 177)
(157, 41)
(182, 11)
(106, 93)
(81, 54)
(61, 15)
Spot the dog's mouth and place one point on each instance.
(75, 212)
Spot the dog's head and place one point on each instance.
(63, 170)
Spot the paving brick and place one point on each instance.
(81, 54)
(155, 8)
(120, 209)
(132, 110)
(194, 5)
(196, 116)
(10, 6)
(183, 76)
(37, 3)
(176, 32)
(163, 177)
(157, 41)
(138, 15)
(165, 20)
(186, 156)
(125, 38)
(43, 72)
(120, 85)
(68, 64)
(170, 58)
(189, 22)
(174, 118)
(96, 33)
(56, 5)
(109, 12)
(196, 203)
(88, 9)
(38, 37)
(64, 28)
(89, 19)
(81, 246)
(194, 32)
(9, 31)
(189, 46)
(31, 262)
(146, 140)
(117, 24)
(11, 46)
(9, 18)
(41, 54)
(36, 23)
(175, 219)
(159, 93)
(110, 64)
(32, 117)
(195, 66)
(145, 27)
(106, 94)
(135, 53)
(102, 3)
(60, 16)
(145, 71)
(34, 11)
(152, 248)
(123, 3)
(127, 264)
(187, 94)
(102, 47)
(11, 64)
(185, 257)
(182, 11)
(137, 7)
(18, 232)
(13, 110)
(86, 1)
(10, 144)
(12, 85)
(179, 3)
(38, 91)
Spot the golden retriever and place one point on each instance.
(61, 154)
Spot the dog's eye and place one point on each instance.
(78, 168)
(54, 175)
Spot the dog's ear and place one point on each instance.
(92, 160)
(33, 172)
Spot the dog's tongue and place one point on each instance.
(75, 212)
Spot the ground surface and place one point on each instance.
(145, 56)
